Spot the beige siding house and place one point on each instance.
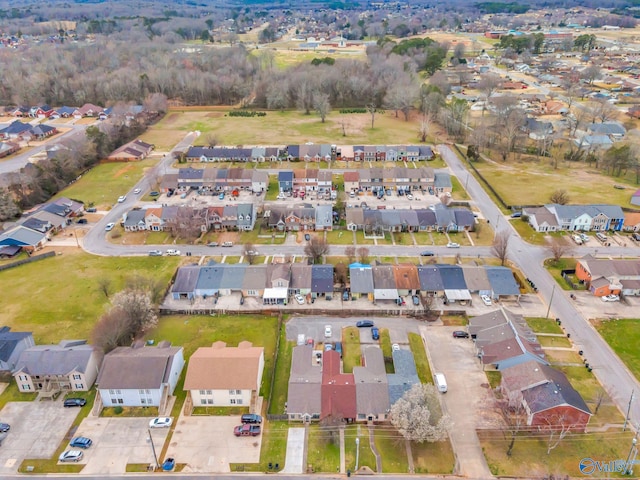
(225, 376)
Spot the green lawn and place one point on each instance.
(12, 394)
(554, 341)
(339, 237)
(529, 458)
(543, 325)
(65, 290)
(494, 378)
(458, 191)
(280, 385)
(436, 457)
(420, 357)
(103, 184)
(555, 270)
(323, 448)
(527, 233)
(282, 127)
(623, 336)
(367, 458)
(351, 351)
(391, 446)
(361, 240)
(403, 238)
(423, 238)
(191, 332)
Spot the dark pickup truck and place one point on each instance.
(246, 429)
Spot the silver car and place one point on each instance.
(71, 456)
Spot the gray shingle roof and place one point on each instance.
(61, 359)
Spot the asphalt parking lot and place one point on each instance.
(207, 444)
(117, 442)
(28, 421)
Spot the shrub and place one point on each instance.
(247, 113)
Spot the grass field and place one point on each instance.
(543, 325)
(623, 336)
(529, 458)
(103, 184)
(529, 182)
(420, 357)
(281, 127)
(61, 295)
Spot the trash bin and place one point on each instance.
(348, 473)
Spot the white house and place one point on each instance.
(225, 376)
(140, 376)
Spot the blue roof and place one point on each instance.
(322, 278)
(502, 281)
(452, 277)
(286, 176)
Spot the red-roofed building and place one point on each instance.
(338, 391)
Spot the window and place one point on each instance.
(24, 378)
(79, 386)
(26, 387)
(202, 392)
(238, 392)
(209, 392)
(112, 392)
(210, 401)
(77, 377)
(232, 401)
(231, 392)
(239, 401)
(120, 401)
(203, 401)
(143, 401)
(141, 392)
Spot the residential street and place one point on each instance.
(608, 368)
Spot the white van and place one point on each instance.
(601, 236)
(577, 239)
(441, 382)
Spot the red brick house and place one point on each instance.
(338, 390)
(605, 276)
(548, 399)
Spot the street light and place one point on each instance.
(357, 452)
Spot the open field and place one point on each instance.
(531, 181)
(529, 458)
(64, 291)
(103, 184)
(281, 127)
(284, 57)
(623, 336)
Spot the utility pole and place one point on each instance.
(633, 454)
(626, 417)
(551, 300)
(153, 448)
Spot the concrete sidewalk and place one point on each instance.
(294, 460)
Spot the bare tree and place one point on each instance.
(402, 96)
(488, 84)
(515, 416)
(556, 426)
(249, 253)
(418, 417)
(559, 248)
(211, 139)
(500, 246)
(111, 331)
(350, 253)
(321, 104)
(188, 223)
(363, 255)
(371, 108)
(137, 307)
(599, 398)
(425, 127)
(603, 110)
(316, 248)
(561, 197)
(591, 73)
(340, 273)
(104, 283)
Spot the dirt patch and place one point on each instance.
(125, 169)
(214, 115)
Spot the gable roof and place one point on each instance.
(322, 278)
(556, 392)
(9, 340)
(361, 278)
(304, 382)
(372, 388)
(405, 376)
(338, 389)
(61, 359)
(219, 367)
(137, 367)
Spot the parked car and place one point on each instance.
(309, 342)
(91, 210)
(71, 456)
(109, 226)
(227, 244)
(395, 347)
(584, 237)
(364, 323)
(173, 252)
(212, 244)
(516, 215)
(160, 422)
(221, 196)
(426, 253)
(154, 194)
(375, 333)
(409, 196)
(251, 418)
(136, 191)
(416, 300)
(4, 427)
(453, 245)
(610, 298)
(338, 348)
(307, 237)
(169, 464)
(81, 442)
(155, 253)
(75, 402)
(327, 331)
(345, 295)
(83, 221)
(328, 347)
(460, 334)
(246, 430)
(122, 198)
(486, 300)
(299, 298)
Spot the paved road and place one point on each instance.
(608, 368)
(18, 161)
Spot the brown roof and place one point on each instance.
(219, 367)
(406, 277)
(351, 176)
(631, 219)
(137, 367)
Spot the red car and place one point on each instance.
(246, 430)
